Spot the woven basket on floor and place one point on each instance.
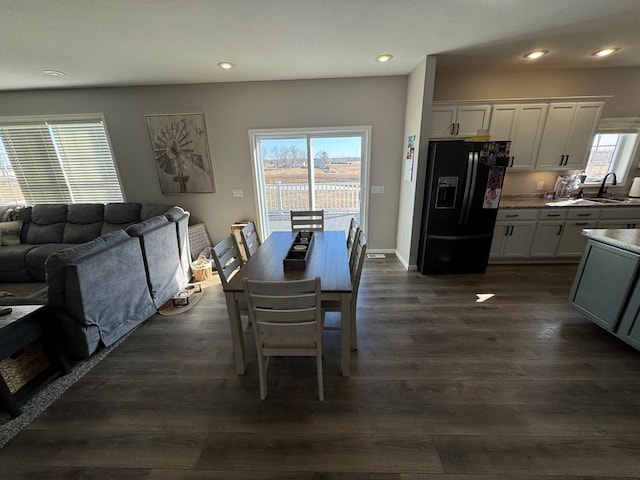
(21, 367)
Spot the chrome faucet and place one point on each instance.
(603, 189)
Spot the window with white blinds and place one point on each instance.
(57, 161)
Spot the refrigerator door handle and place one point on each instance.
(467, 188)
(472, 185)
(472, 189)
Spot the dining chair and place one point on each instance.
(355, 269)
(250, 239)
(352, 237)
(287, 321)
(307, 220)
(227, 258)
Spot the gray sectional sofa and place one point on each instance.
(108, 267)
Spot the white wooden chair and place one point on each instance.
(250, 239)
(307, 220)
(287, 321)
(226, 256)
(355, 268)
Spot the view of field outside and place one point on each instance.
(336, 163)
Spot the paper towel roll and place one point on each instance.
(635, 188)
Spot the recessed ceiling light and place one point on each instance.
(53, 73)
(536, 54)
(226, 65)
(384, 58)
(605, 52)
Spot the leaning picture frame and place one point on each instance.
(181, 153)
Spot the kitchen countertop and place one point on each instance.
(536, 201)
(626, 239)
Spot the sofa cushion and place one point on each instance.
(84, 222)
(47, 223)
(118, 216)
(149, 210)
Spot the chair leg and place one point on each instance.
(262, 373)
(354, 331)
(320, 380)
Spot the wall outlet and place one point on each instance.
(540, 185)
(377, 189)
(238, 192)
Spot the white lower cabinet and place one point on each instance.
(573, 242)
(539, 234)
(513, 233)
(548, 233)
(619, 218)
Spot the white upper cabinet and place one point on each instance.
(450, 121)
(523, 124)
(567, 135)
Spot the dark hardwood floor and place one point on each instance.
(518, 387)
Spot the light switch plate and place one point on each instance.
(238, 192)
(377, 189)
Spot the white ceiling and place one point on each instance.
(150, 42)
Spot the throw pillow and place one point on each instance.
(10, 232)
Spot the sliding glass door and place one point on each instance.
(310, 169)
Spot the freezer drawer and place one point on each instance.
(456, 254)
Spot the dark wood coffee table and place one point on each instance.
(25, 325)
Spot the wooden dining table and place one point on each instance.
(327, 259)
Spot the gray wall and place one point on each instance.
(230, 110)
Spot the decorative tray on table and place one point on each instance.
(296, 258)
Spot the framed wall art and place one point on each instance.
(181, 153)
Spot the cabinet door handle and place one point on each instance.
(513, 160)
(457, 128)
(581, 224)
(566, 160)
(584, 214)
(506, 231)
(553, 214)
(511, 233)
(512, 215)
(560, 227)
(561, 159)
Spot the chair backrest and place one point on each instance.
(355, 266)
(289, 308)
(250, 239)
(352, 236)
(226, 256)
(307, 220)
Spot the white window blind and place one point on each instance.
(48, 161)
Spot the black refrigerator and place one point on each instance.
(463, 187)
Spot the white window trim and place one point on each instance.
(99, 117)
(258, 174)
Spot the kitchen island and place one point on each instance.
(606, 288)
